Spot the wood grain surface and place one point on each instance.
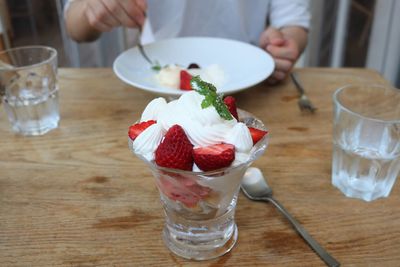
(77, 196)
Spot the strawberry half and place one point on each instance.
(230, 102)
(183, 189)
(214, 157)
(138, 128)
(175, 151)
(256, 134)
(185, 78)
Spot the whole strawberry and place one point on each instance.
(230, 102)
(175, 151)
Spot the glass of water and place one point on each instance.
(29, 88)
(366, 140)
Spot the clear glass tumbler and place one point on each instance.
(200, 207)
(366, 140)
(29, 89)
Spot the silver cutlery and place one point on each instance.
(141, 49)
(146, 27)
(256, 188)
(303, 102)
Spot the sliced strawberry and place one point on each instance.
(138, 128)
(214, 157)
(182, 189)
(230, 102)
(176, 191)
(256, 134)
(175, 151)
(185, 78)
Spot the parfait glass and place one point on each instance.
(199, 207)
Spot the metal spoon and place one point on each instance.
(147, 26)
(141, 50)
(256, 188)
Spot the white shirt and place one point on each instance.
(242, 20)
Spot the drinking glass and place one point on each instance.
(199, 207)
(366, 140)
(29, 89)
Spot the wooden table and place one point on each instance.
(78, 197)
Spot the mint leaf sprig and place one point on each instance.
(156, 66)
(211, 97)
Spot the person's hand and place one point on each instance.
(283, 49)
(104, 15)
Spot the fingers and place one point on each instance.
(271, 36)
(135, 10)
(142, 4)
(284, 51)
(276, 77)
(283, 64)
(276, 41)
(288, 52)
(95, 19)
(282, 69)
(107, 13)
(118, 12)
(279, 75)
(103, 15)
(284, 57)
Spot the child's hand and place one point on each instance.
(104, 15)
(283, 49)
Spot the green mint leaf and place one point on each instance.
(208, 101)
(205, 104)
(156, 67)
(211, 97)
(223, 110)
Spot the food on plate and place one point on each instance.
(178, 77)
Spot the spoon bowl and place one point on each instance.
(254, 186)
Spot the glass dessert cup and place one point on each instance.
(199, 207)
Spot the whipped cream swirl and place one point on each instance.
(203, 127)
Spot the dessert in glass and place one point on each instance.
(198, 148)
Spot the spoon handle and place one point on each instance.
(328, 259)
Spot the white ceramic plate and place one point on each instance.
(244, 65)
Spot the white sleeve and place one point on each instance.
(289, 13)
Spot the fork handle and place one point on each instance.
(322, 253)
(297, 83)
